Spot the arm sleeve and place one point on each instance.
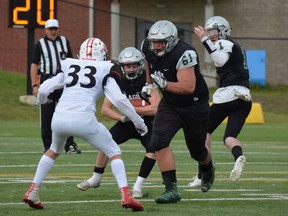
(222, 54)
(118, 99)
(219, 51)
(219, 58)
(50, 85)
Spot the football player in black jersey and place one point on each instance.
(133, 79)
(174, 68)
(232, 99)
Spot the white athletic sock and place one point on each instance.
(44, 166)
(96, 177)
(139, 183)
(118, 170)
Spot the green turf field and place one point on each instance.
(262, 189)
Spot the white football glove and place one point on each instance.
(142, 130)
(42, 99)
(124, 119)
(146, 92)
(159, 80)
(244, 96)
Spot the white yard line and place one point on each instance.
(127, 164)
(269, 197)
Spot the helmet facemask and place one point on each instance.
(213, 34)
(131, 71)
(161, 43)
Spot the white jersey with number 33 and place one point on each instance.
(83, 82)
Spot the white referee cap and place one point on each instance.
(52, 23)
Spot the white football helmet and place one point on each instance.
(219, 23)
(163, 30)
(131, 55)
(93, 49)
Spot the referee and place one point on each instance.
(48, 52)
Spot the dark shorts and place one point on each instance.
(192, 119)
(122, 132)
(236, 111)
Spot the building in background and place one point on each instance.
(260, 25)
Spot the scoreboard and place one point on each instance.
(31, 13)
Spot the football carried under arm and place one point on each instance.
(121, 102)
(108, 111)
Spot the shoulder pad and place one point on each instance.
(224, 45)
(115, 72)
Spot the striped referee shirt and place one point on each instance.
(48, 54)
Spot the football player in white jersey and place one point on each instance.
(132, 64)
(232, 99)
(85, 80)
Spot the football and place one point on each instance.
(138, 102)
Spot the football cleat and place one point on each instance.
(31, 197)
(171, 194)
(196, 182)
(85, 185)
(72, 149)
(168, 197)
(137, 194)
(127, 201)
(208, 179)
(238, 168)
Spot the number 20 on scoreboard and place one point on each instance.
(31, 13)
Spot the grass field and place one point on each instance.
(262, 189)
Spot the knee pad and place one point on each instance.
(199, 155)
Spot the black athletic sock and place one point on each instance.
(171, 174)
(146, 167)
(199, 173)
(99, 170)
(205, 168)
(236, 152)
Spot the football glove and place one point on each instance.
(42, 99)
(244, 96)
(124, 119)
(159, 79)
(146, 92)
(142, 130)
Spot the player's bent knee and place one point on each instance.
(199, 156)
